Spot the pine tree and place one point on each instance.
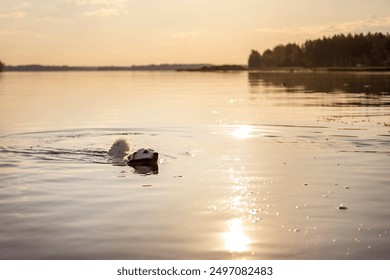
(254, 60)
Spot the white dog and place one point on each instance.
(121, 150)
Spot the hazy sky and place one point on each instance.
(127, 32)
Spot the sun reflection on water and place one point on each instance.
(240, 206)
(243, 131)
(236, 240)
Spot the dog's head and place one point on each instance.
(143, 157)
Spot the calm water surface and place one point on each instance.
(252, 166)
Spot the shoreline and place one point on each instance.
(225, 68)
(191, 68)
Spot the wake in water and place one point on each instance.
(57, 154)
(79, 145)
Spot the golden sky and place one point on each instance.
(133, 32)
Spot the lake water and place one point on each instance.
(258, 165)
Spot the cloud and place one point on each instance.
(371, 23)
(13, 15)
(20, 33)
(107, 7)
(97, 2)
(105, 12)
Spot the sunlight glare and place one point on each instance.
(235, 238)
(242, 131)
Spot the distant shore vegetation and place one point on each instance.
(2, 66)
(357, 50)
(351, 52)
(151, 67)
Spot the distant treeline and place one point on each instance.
(151, 67)
(212, 68)
(357, 50)
(37, 67)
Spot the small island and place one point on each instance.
(212, 68)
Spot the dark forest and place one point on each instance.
(357, 50)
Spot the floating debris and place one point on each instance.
(341, 207)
